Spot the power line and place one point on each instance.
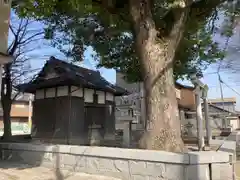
(220, 81)
(231, 88)
(213, 73)
(216, 86)
(209, 73)
(225, 48)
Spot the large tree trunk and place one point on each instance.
(6, 91)
(156, 59)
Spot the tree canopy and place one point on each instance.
(147, 40)
(109, 31)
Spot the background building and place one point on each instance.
(21, 114)
(72, 105)
(228, 104)
(133, 105)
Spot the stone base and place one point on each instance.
(109, 137)
(127, 164)
(207, 148)
(95, 137)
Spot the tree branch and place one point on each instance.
(202, 8)
(30, 41)
(21, 52)
(31, 37)
(24, 72)
(199, 9)
(112, 8)
(24, 29)
(11, 28)
(15, 96)
(15, 43)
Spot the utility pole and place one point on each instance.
(224, 123)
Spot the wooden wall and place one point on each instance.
(75, 91)
(57, 115)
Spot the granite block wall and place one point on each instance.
(126, 164)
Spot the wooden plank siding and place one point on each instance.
(20, 110)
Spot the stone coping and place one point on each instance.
(204, 157)
(229, 144)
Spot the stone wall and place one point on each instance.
(126, 164)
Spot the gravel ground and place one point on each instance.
(23, 172)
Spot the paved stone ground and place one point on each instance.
(11, 171)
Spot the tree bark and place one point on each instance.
(6, 91)
(156, 59)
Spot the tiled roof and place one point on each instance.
(224, 110)
(24, 97)
(219, 100)
(70, 74)
(179, 85)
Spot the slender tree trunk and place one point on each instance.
(6, 91)
(157, 60)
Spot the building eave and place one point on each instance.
(5, 58)
(181, 86)
(51, 83)
(73, 75)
